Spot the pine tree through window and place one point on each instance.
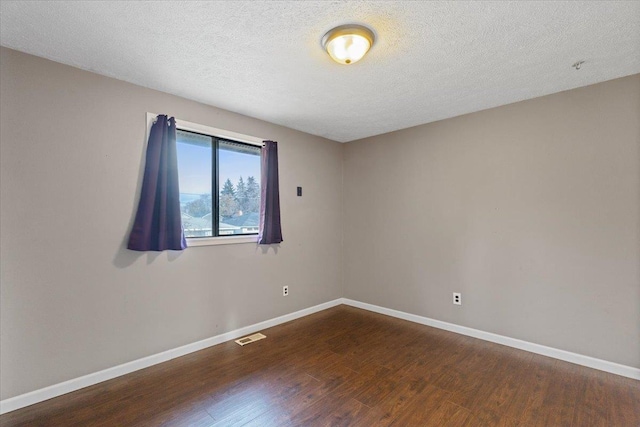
(219, 185)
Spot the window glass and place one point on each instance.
(239, 188)
(235, 182)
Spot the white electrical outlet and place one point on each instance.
(457, 298)
(285, 291)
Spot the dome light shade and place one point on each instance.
(347, 44)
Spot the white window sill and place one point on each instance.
(222, 240)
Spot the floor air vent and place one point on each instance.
(250, 339)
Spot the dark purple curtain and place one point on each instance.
(270, 230)
(158, 225)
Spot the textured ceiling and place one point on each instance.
(431, 60)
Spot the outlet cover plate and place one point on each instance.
(457, 298)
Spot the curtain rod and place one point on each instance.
(210, 130)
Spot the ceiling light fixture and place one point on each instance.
(347, 44)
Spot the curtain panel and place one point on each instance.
(158, 225)
(270, 228)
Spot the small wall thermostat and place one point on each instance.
(299, 191)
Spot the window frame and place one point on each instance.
(220, 134)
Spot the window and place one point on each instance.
(219, 185)
(207, 158)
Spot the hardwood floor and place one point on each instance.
(350, 367)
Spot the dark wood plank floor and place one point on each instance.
(349, 367)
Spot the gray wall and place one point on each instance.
(531, 210)
(74, 301)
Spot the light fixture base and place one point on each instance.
(348, 43)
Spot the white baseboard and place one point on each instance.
(579, 359)
(59, 389)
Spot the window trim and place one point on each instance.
(216, 133)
